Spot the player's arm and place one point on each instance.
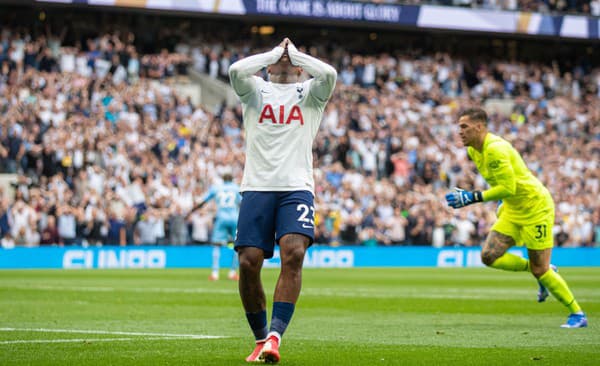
(498, 160)
(324, 74)
(207, 197)
(241, 72)
(197, 207)
(500, 167)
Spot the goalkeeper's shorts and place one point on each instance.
(535, 234)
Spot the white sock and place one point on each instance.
(276, 335)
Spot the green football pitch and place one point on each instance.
(369, 316)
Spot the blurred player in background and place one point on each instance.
(525, 215)
(281, 120)
(227, 198)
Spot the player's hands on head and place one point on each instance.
(284, 43)
(285, 56)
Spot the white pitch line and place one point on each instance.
(84, 331)
(81, 340)
(360, 292)
(331, 292)
(117, 289)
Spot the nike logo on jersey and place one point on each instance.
(307, 226)
(264, 91)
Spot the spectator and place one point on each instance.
(50, 235)
(117, 234)
(596, 220)
(201, 223)
(67, 225)
(177, 227)
(417, 230)
(96, 227)
(145, 232)
(137, 146)
(7, 241)
(464, 230)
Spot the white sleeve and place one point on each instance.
(325, 75)
(241, 72)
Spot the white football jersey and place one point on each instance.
(281, 120)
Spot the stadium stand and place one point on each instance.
(541, 6)
(104, 151)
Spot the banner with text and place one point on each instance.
(336, 10)
(316, 257)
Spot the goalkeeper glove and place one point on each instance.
(461, 198)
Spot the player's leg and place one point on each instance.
(292, 251)
(295, 230)
(539, 263)
(233, 275)
(503, 235)
(494, 253)
(540, 241)
(557, 286)
(538, 237)
(254, 242)
(253, 296)
(218, 238)
(216, 257)
(250, 286)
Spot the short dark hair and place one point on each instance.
(227, 177)
(475, 114)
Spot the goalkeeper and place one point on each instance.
(525, 215)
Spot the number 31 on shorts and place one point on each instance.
(541, 232)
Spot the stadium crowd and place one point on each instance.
(108, 153)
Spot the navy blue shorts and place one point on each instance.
(267, 216)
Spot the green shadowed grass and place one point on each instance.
(409, 316)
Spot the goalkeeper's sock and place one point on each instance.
(258, 324)
(511, 262)
(559, 288)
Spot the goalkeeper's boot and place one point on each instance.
(255, 355)
(543, 291)
(270, 351)
(578, 320)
